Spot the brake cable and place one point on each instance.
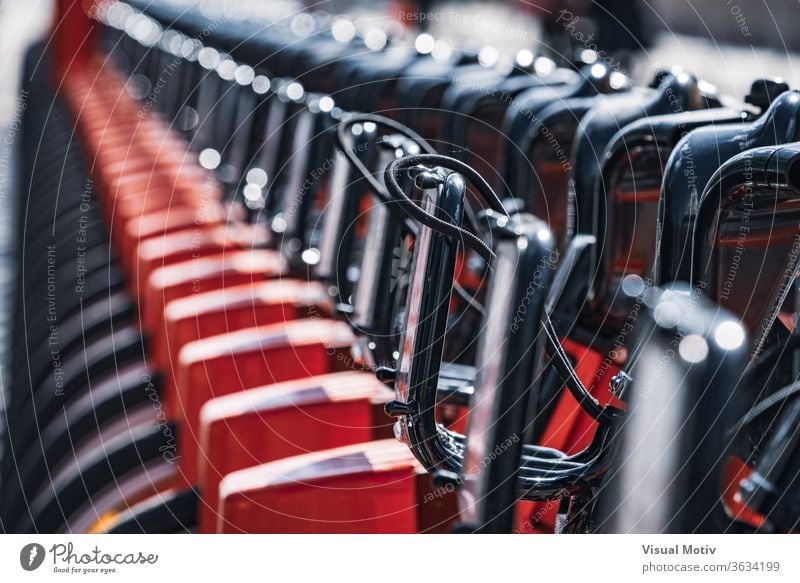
(763, 406)
(394, 193)
(540, 475)
(392, 179)
(406, 163)
(567, 372)
(379, 120)
(770, 357)
(755, 370)
(585, 399)
(381, 192)
(470, 300)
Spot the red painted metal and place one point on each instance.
(571, 429)
(231, 308)
(228, 363)
(282, 420)
(74, 36)
(364, 488)
(203, 274)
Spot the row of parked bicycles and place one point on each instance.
(300, 276)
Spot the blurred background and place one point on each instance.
(726, 42)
